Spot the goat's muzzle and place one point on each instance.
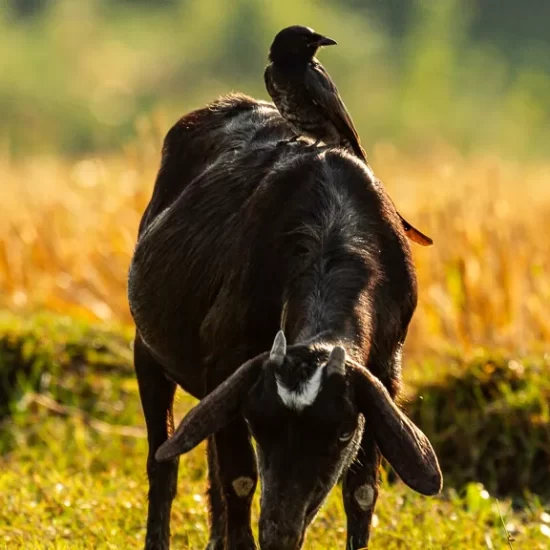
(281, 533)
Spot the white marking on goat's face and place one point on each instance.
(305, 395)
(364, 496)
(242, 486)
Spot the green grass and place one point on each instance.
(489, 419)
(72, 469)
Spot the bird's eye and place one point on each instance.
(346, 436)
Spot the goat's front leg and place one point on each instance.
(216, 504)
(157, 395)
(233, 478)
(360, 491)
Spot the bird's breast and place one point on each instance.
(297, 106)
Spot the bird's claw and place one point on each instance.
(288, 141)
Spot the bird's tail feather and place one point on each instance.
(412, 233)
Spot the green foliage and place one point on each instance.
(77, 75)
(59, 356)
(488, 418)
(489, 421)
(70, 482)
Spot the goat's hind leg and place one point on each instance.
(157, 395)
(360, 491)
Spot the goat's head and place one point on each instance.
(305, 407)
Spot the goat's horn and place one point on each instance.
(336, 363)
(278, 350)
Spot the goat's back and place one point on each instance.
(236, 217)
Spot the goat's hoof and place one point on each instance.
(234, 543)
(242, 544)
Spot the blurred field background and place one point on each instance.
(451, 99)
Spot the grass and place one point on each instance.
(36, 351)
(72, 469)
(65, 245)
(489, 420)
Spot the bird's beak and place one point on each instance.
(324, 41)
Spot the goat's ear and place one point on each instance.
(400, 441)
(213, 412)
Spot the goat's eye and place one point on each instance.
(346, 436)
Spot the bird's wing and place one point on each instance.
(323, 91)
(267, 80)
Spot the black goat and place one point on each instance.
(246, 233)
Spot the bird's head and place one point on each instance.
(297, 44)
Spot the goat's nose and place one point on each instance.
(277, 536)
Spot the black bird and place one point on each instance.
(308, 99)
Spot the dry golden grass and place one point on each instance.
(68, 229)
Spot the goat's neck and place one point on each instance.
(309, 320)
